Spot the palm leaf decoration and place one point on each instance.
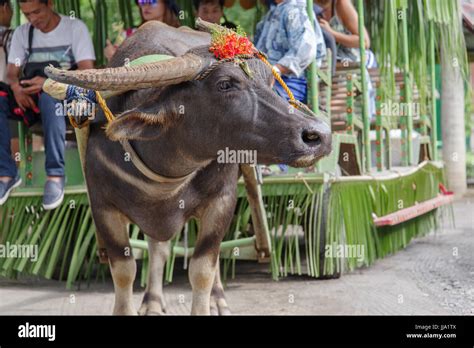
(435, 20)
(305, 220)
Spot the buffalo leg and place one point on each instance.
(112, 229)
(203, 266)
(153, 300)
(218, 302)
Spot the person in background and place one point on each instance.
(55, 39)
(6, 34)
(289, 40)
(212, 11)
(329, 39)
(291, 44)
(340, 19)
(165, 11)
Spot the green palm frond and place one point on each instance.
(383, 22)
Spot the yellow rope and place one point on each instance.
(108, 114)
(279, 79)
(75, 124)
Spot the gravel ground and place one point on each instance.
(433, 275)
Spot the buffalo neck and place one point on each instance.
(165, 156)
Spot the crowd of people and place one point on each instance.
(285, 34)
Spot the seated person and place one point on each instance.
(165, 11)
(289, 40)
(329, 39)
(340, 18)
(55, 38)
(212, 11)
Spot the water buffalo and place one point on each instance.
(177, 123)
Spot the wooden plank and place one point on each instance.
(259, 218)
(412, 212)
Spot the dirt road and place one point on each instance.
(433, 275)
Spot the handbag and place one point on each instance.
(34, 69)
(30, 70)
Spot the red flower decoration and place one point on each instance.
(228, 44)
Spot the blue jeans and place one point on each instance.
(297, 85)
(54, 126)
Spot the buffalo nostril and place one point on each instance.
(311, 138)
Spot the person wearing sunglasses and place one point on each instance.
(166, 11)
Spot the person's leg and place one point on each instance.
(280, 91)
(7, 164)
(297, 85)
(9, 179)
(54, 126)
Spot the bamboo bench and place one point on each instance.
(27, 167)
(344, 105)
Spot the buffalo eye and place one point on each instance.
(225, 85)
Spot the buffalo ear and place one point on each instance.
(135, 125)
(146, 121)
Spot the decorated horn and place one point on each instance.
(58, 90)
(156, 74)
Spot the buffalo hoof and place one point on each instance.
(125, 311)
(146, 310)
(219, 307)
(152, 305)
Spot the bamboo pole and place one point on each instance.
(128, 7)
(188, 252)
(349, 104)
(21, 141)
(408, 148)
(82, 137)
(312, 73)
(259, 217)
(434, 124)
(17, 11)
(58, 90)
(379, 152)
(363, 73)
